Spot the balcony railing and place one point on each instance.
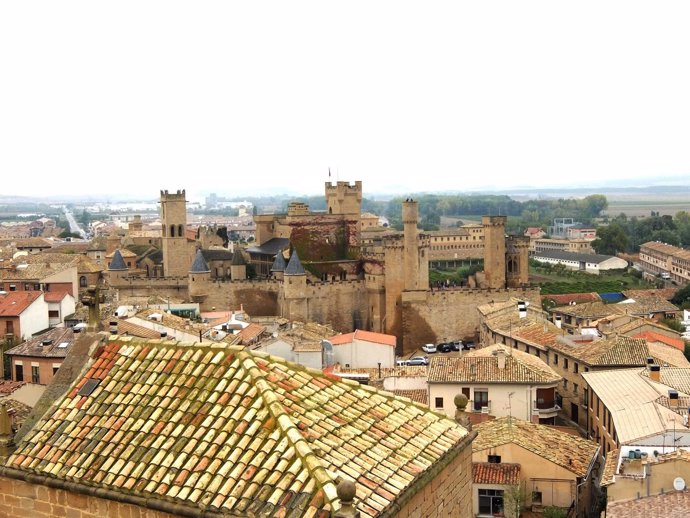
(545, 406)
(483, 407)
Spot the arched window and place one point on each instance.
(180, 231)
(82, 281)
(172, 230)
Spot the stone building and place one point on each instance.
(380, 284)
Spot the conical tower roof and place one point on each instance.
(238, 258)
(199, 265)
(279, 263)
(117, 263)
(294, 267)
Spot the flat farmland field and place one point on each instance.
(642, 207)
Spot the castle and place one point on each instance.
(333, 271)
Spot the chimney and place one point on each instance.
(557, 321)
(673, 398)
(522, 309)
(654, 372)
(650, 362)
(501, 357)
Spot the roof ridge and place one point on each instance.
(295, 438)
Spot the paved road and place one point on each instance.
(73, 225)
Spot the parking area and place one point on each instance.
(421, 353)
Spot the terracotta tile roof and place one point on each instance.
(61, 340)
(251, 332)
(402, 371)
(610, 468)
(567, 298)
(674, 504)
(651, 336)
(572, 453)
(664, 293)
(368, 336)
(49, 258)
(675, 377)
(14, 303)
(7, 386)
(481, 366)
(502, 474)
(643, 306)
(223, 428)
(54, 296)
(590, 310)
(125, 327)
(416, 395)
(173, 321)
(34, 271)
(666, 355)
(17, 410)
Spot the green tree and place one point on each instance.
(515, 498)
(610, 239)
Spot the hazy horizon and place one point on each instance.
(248, 99)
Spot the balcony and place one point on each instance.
(545, 408)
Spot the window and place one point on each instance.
(438, 402)
(576, 367)
(536, 497)
(490, 501)
(53, 313)
(495, 459)
(9, 327)
(13, 287)
(466, 392)
(575, 388)
(82, 281)
(481, 399)
(565, 363)
(555, 359)
(18, 373)
(35, 378)
(55, 369)
(565, 384)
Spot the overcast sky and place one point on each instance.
(234, 97)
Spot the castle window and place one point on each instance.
(172, 230)
(180, 231)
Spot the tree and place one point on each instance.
(610, 239)
(682, 297)
(515, 498)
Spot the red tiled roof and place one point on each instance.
(7, 387)
(491, 473)
(233, 431)
(567, 298)
(54, 296)
(250, 332)
(651, 336)
(674, 504)
(15, 302)
(367, 336)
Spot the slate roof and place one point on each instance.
(563, 449)
(271, 247)
(294, 266)
(502, 474)
(58, 336)
(215, 254)
(673, 504)
(223, 428)
(481, 366)
(199, 265)
(238, 258)
(278, 263)
(118, 263)
(13, 303)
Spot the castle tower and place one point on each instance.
(278, 267)
(174, 219)
(199, 278)
(136, 224)
(343, 198)
(416, 260)
(517, 258)
(495, 251)
(238, 266)
(112, 243)
(295, 289)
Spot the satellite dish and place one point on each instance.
(678, 484)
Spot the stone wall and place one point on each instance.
(20, 499)
(447, 495)
(259, 298)
(432, 317)
(342, 304)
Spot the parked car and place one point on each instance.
(456, 346)
(429, 348)
(468, 345)
(402, 363)
(444, 348)
(418, 360)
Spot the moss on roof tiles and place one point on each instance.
(197, 430)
